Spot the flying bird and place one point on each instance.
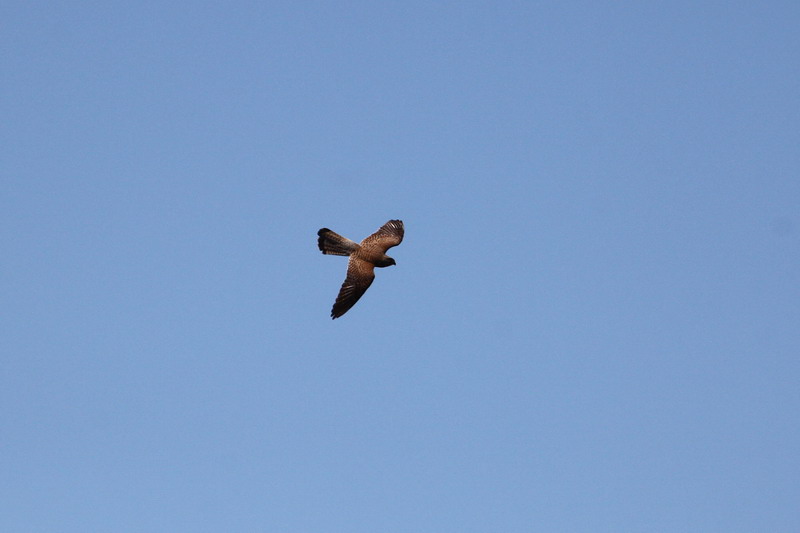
(364, 257)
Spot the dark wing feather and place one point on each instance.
(390, 234)
(360, 274)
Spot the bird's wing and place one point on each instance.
(360, 274)
(390, 234)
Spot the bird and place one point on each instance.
(364, 257)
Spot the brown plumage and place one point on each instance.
(364, 257)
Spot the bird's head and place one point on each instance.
(385, 261)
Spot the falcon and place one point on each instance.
(364, 257)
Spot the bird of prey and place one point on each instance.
(364, 257)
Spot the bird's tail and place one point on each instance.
(334, 244)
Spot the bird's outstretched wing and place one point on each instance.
(390, 234)
(360, 274)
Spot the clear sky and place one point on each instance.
(593, 324)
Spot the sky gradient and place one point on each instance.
(594, 320)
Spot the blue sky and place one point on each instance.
(593, 321)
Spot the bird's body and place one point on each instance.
(364, 257)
